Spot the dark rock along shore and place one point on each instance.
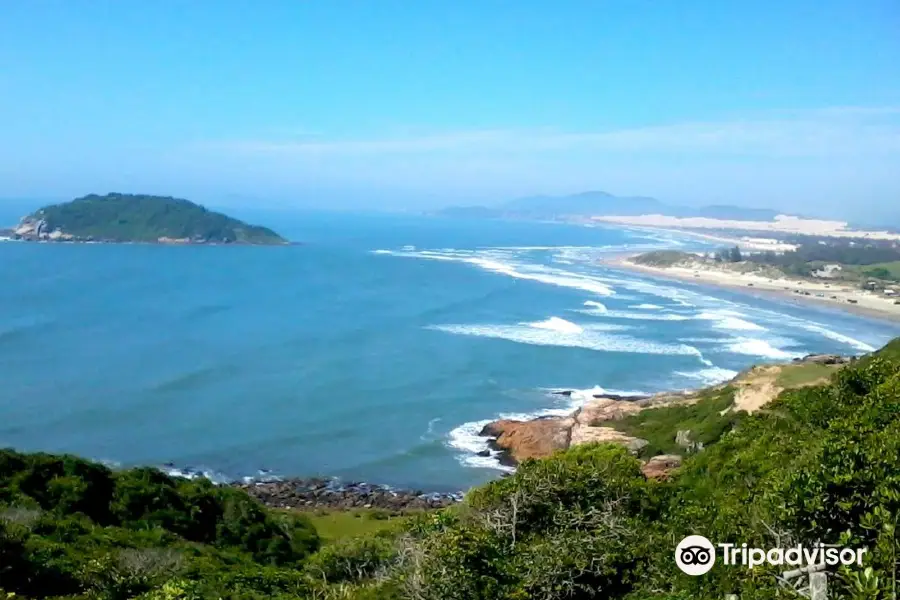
(332, 493)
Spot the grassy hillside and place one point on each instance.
(817, 464)
(140, 218)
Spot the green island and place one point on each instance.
(818, 462)
(138, 218)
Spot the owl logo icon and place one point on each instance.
(695, 555)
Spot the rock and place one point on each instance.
(566, 393)
(683, 438)
(318, 493)
(660, 467)
(605, 409)
(538, 438)
(483, 453)
(825, 359)
(585, 434)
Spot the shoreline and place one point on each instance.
(803, 292)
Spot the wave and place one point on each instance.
(557, 324)
(597, 306)
(200, 473)
(635, 316)
(588, 339)
(489, 262)
(646, 306)
(709, 376)
(838, 337)
(468, 440)
(729, 320)
(761, 348)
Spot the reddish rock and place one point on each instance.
(530, 439)
(660, 467)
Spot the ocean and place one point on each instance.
(376, 351)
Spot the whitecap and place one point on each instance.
(838, 337)
(492, 260)
(646, 306)
(588, 339)
(757, 347)
(557, 324)
(709, 376)
(728, 320)
(597, 306)
(467, 438)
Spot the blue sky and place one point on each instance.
(414, 104)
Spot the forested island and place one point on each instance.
(138, 218)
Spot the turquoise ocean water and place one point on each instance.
(376, 351)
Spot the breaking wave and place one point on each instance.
(590, 339)
(709, 376)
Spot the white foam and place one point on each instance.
(467, 439)
(588, 339)
(838, 337)
(635, 316)
(490, 260)
(189, 473)
(709, 376)
(762, 348)
(728, 320)
(596, 306)
(646, 306)
(557, 324)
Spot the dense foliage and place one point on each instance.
(819, 464)
(69, 526)
(872, 258)
(664, 258)
(140, 218)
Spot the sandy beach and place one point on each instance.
(829, 293)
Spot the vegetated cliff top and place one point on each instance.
(143, 218)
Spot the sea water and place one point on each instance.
(375, 351)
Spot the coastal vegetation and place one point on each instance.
(857, 259)
(816, 464)
(141, 218)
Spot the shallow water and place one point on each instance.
(374, 352)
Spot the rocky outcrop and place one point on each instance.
(332, 493)
(538, 438)
(521, 440)
(661, 467)
(825, 359)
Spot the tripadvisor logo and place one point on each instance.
(696, 555)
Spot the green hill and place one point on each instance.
(140, 218)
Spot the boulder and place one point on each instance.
(661, 467)
(606, 409)
(826, 359)
(538, 438)
(585, 434)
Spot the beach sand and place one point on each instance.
(828, 293)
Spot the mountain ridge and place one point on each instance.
(600, 203)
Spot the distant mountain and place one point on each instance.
(139, 218)
(585, 203)
(604, 204)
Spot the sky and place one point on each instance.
(390, 104)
